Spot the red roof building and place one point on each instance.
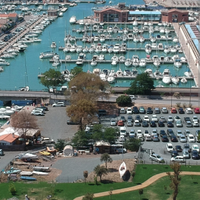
(8, 139)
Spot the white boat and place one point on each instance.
(4, 63)
(116, 48)
(101, 57)
(47, 54)
(79, 61)
(72, 20)
(183, 80)
(56, 63)
(188, 74)
(111, 79)
(40, 173)
(41, 169)
(26, 173)
(60, 14)
(122, 169)
(28, 156)
(177, 63)
(119, 73)
(128, 62)
(166, 76)
(53, 45)
(149, 72)
(135, 23)
(114, 62)
(142, 62)
(175, 80)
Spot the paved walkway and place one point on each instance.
(137, 187)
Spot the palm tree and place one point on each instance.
(106, 158)
(100, 171)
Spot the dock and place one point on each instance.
(19, 36)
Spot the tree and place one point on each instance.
(59, 145)
(143, 85)
(110, 134)
(177, 95)
(132, 144)
(175, 178)
(85, 174)
(106, 158)
(80, 139)
(100, 171)
(75, 71)
(140, 192)
(88, 196)
(52, 78)
(124, 100)
(23, 121)
(83, 111)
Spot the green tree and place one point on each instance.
(80, 139)
(175, 178)
(106, 158)
(124, 100)
(140, 192)
(85, 175)
(88, 196)
(100, 171)
(52, 78)
(12, 189)
(75, 71)
(110, 134)
(143, 84)
(132, 144)
(60, 144)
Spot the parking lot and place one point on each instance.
(159, 147)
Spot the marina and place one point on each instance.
(118, 48)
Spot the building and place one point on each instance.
(9, 17)
(111, 15)
(144, 15)
(8, 139)
(174, 15)
(53, 13)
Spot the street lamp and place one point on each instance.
(171, 94)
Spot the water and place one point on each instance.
(23, 70)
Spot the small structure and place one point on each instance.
(144, 15)
(102, 147)
(174, 15)
(53, 13)
(8, 139)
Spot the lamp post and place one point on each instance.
(171, 94)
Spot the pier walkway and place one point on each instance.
(18, 37)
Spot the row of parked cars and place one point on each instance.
(163, 110)
(155, 121)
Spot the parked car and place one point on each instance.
(164, 138)
(170, 119)
(178, 159)
(182, 138)
(58, 104)
(157, 110)
(47, 140)
(142, 110)
(164, 110)
(191, 138)
(70, 122)
(154, 118)
(178, 148)
(195, 147)
(170, 124)
(162, 119)
(162, 132)
(129, 110)
(189, 124)
(139, 133)
(173, 138)
(146, 118)
(187, 119)
(195, 124)
(123, 118)
(188, 111)
(44, 108)
(177, 118)
(113, 122)
(120, 123)
(135, 110)
(161, 124)
(179, 123)
(187, 147)
(195, 155)
(195, 119)
(37, 112)
(173, 111)
(156, 138)
(149, 110)
(148, 138)
(169, 147)
(186, 154)
(197, 111)
(153, 124)
(179, 133)
(156, 158)
(146, 133)
(145, 124)
(137, 117)
(170, 132)
(174, 153)
(122, 111)
(132, 133)
(133, 97)
(129, 123)
(154, 132)
(181, 111)
(137, 123)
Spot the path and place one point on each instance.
(137, 187)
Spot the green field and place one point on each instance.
(71, 190)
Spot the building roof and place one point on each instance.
(8, 137)
(113, 9)
(101, 143)
(12, 15)
(175, 10)
(144, 12)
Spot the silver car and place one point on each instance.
(183, 138)
(113, 122)
(157, 158)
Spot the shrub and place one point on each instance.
(88, 196)
(178, 105)
(124, 100)
(12, 189)
(60, 144)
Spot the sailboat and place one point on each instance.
(122, 169)
(26, 87)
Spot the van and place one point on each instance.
(122, 131)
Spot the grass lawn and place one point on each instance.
(71, 190)
(160, 190)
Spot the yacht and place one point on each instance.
(53, 45)
(177, 63)
(149, 72)
(93, 62)
(148, 48)
(72, 20)
(128, 62)
(166, 76)
(135, 60)
(47, 54)
(142, 62)
(183, 80)
(175, 80)
(116, 48)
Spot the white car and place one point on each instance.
(164, 110)
(132, 97)
(195, 147)
(122, 111)
(178, 159)
(154, 132)
(169, 147)
(129, 110)
(182, 138)
(37, 112)
(137, 123)
(132, 133)
(195, 124)
(195, 119)
(157, 158)
(139, 133)
(179, 133)
(146, 118)
(58, 104)
(154, 118)
(191, 138)
(170, 119)
(188, 111)
(113, 122)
